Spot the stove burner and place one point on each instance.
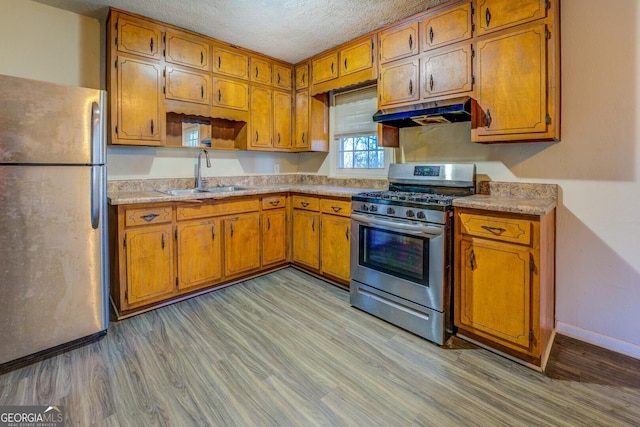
(404, 196)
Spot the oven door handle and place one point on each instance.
(419, 230)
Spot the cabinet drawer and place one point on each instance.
(512, 230)
(308, 203)
(273, 202)
(143, 216)
(335, 207)
(225, 208)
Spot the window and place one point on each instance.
(354, 148)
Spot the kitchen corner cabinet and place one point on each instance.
(335, 236)
(311, 122)
(504, 282)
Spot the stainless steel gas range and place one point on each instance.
(402, 248)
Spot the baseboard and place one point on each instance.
(591, 337)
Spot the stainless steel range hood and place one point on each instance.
(446, 111)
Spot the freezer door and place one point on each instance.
(47, 123)
(53, 269)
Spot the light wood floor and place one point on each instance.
(286, 349)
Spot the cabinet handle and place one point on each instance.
(431, 82)
(278, 138)
(303, 138)
(346, 233)
(256, 72)
(268, 223)
(151, 45)
(487, 16)
(152, 127)
(202, 91)
(304, 204)
(488, 119)
(256, 136)
(231, 229)
(472, 260)
(303, 77)
(345, 63)
(213, 232)
(494, 230)
(410, 42)
(278, 80)
(336, 208)
(313, 225)
(163, 241)
(274, 202)
(430, 34)
(149, 217)
(201, 57)
(219, 62)
(219, 95)
(410, 87)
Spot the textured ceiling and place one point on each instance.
(290, 30)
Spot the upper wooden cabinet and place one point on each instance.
(137, 37)
(494, 15)
(399, 42)
(450, 26)
(231, 63)
(187, 85)
(324, 68)
(302, 75)
(260, 71)
(187, 50)
(282, 76)
(282, 113)
(399, 82)
(260, 130)
(447, 72)
(356, 57)
(230, 93)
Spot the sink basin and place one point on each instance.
(186, 191)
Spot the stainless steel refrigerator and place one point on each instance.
(53, 222)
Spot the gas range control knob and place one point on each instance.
(420, 215)
(373, 208)
(364, 207)
(409, 213)
(391, 211)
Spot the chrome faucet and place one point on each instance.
(199, 172)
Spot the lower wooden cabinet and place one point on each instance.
(504, 282)
(306, 238)
(241, 244)
(199, 253)
(274, 230)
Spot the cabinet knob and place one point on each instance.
(487, 16)
(430, 34)
(410, 42)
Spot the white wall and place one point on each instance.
(44, 43)
(597, 165)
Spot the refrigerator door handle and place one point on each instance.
(96, 184)
(97, 144)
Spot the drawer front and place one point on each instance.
(144, 216)
(505, 229)
(274, 202)
(335, 207)
(224, 208)
(308, 203)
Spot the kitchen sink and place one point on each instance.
(187, 191)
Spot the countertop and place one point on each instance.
(157, 196)
(512, 197)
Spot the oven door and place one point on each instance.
(400, 257)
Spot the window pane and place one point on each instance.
(347, 144)
(360, 152)
(347, 160)
(362, 144)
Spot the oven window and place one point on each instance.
(395, 253)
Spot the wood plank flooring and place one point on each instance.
(286, 349)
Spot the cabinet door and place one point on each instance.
(494, 15)
(260, 71)
(230, 94)
(512, 94)
(335, 246)
(399, 82)
(302, 76)
(302, 121)
(356, 57)
(495, 291)
(138, 37)
(282, 77)
(199, 253)
(261, 118)
(274, 237)
(139, 107)
(306, 238)
(282, 120)
(325, 68)
(149, 255)
(242, 244)
(398, 42)
(230, 62)
(190, 86)
(187, 50)
(450, 26)
(445, 73)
